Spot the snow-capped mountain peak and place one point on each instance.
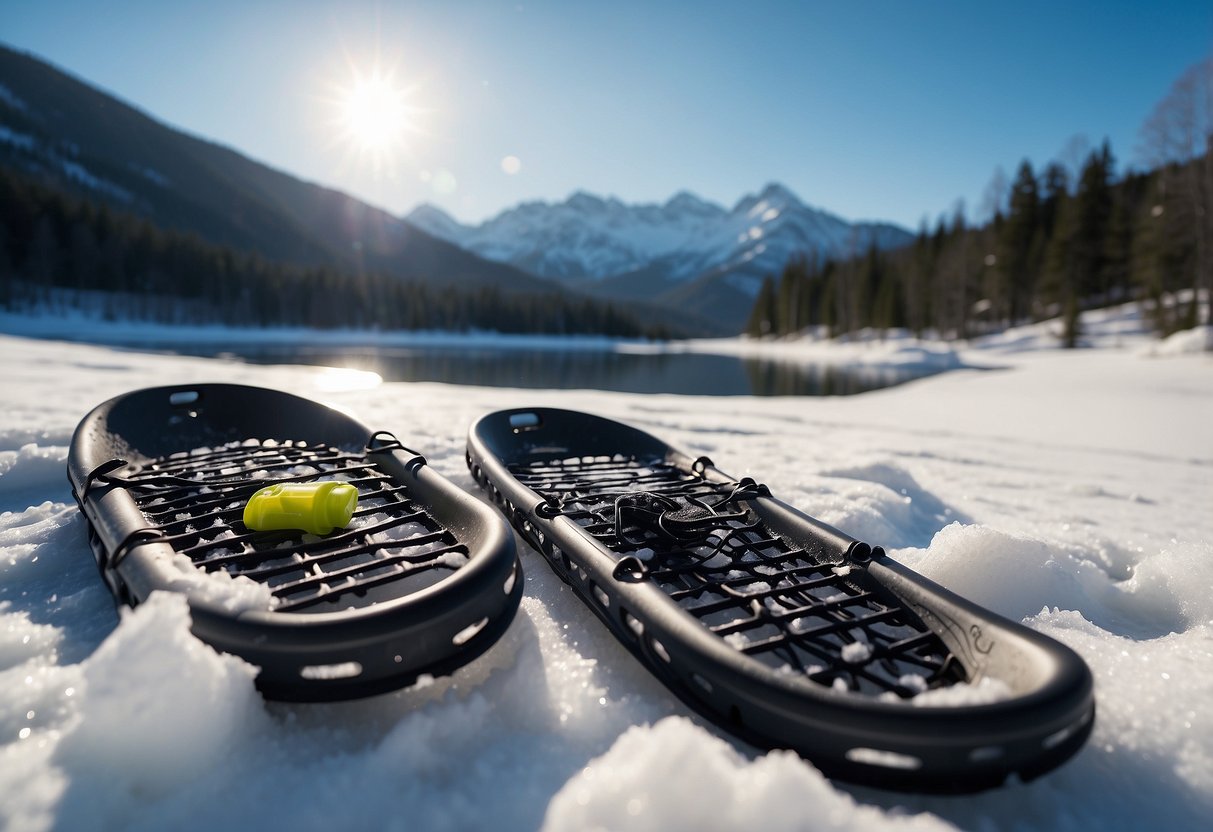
(437, 222)
(595, 240)
(773, 195)
(586, 202)
(688, 204)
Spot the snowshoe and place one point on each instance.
(775, 626)
(421, 579)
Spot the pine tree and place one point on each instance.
(789, 301)
(1092, 217)
(956, 265)
(765, 314)
(1060, 282)
(870, 279)
(888, 309)
(8, 273)
(829, 297)
(1118, 245)
(1015, 247)
(919, 272)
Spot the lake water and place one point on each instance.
(627, 372)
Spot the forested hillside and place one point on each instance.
(76, 138)
(59, 250)
(1059, 247)
(1058, 242)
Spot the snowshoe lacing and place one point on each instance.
(685, 519)
(194, 503)
(793, 605)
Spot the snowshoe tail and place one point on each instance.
(422, 581)
(775, 626)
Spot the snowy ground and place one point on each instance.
(1070, 490)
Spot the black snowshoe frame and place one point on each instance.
(774, 625)
(423, 580)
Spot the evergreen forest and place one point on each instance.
(1057, 244)
(1058, 240)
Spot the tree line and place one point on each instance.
(58, 250)
(1057, 243)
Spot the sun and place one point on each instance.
(375, 112)
(375, 116)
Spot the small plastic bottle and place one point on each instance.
(316, 507)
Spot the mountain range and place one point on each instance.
(689, 262)
(688, 253)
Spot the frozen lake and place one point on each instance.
(552, 368)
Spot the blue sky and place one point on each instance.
(873, 110)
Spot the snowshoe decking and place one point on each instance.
(423, 580)
(777, 627)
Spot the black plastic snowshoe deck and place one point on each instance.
(422, 580)
(774, 625)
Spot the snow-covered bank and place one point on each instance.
(1123, 327)
(1072, 490)
(93, 329)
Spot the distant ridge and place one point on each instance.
(688, 252)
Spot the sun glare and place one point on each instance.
(375, 112)
(375, 116)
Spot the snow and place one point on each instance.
(151, 174)
(1186, 342)
(81, 174)
(11, 99)
(72, 169)
(629, 788)
(234, 594)
(857, 652)
(1067, 489)
(20, 140)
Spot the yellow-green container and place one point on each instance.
(316, 507)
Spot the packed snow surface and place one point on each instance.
(1070, 490)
